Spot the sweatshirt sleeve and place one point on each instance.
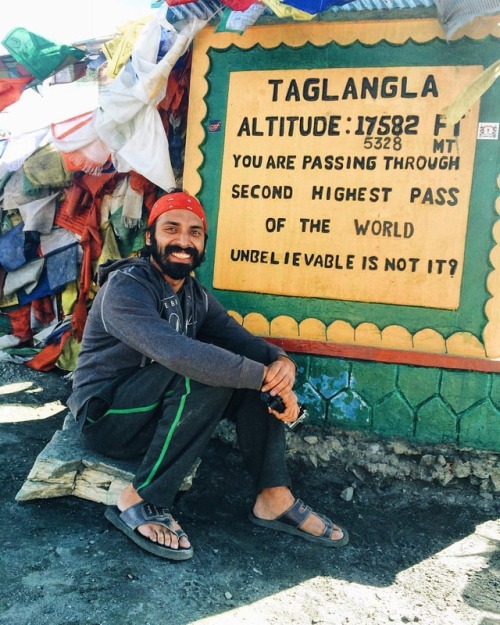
(129, 313)
(221, 329)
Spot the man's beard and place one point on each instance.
(176, 271)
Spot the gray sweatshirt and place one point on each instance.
(136, 318)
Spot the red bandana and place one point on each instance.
(177, 201)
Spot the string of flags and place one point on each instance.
(77, 192)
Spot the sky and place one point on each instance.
(63, 22)
(67, 21)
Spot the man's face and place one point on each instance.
(177, 241)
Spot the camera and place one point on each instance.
(276, 403)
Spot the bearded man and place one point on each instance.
(161, 363)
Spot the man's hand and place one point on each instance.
(279, 376)
(292, 407)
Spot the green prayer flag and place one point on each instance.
(38, 55)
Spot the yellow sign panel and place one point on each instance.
(344, 183)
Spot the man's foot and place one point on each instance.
(151, 528)
(153, 531)
(277, 508)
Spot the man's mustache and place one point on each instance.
(169, 249)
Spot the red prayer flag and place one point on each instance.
(11, 89)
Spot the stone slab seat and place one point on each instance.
(67, 467)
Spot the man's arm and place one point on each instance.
(279, 372)
(219, 328)
(129, 314)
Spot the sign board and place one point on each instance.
(334, 190)
(355, 187)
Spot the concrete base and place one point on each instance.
(67, 467)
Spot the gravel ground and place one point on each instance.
(419, 553)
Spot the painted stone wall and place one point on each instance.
(350, 224)
(423, 405)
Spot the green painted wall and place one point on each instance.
(422, 405)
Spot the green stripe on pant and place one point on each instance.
(178, 415)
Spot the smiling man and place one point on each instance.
(161, 363)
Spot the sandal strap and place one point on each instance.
(299, 512)
(296, 515)
(143, 513)
(329, 526)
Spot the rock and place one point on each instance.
(335, 444)
(324, 454)
(383, 468)
(312, 440)
(67, 467)
(445, 477)
(359, 473)
(461, 469)
(495, 479)
(479, 470)
(427, 460)
(487, 496)
(402, 449)
(347, 494)
(484, 487)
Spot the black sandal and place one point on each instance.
(292, 519)
(143, 513)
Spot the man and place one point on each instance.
(161, 363)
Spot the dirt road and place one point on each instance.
(419, 553)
